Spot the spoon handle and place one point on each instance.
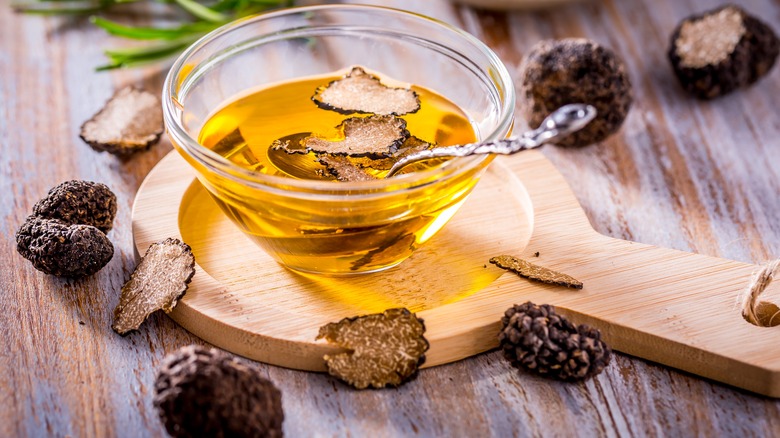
(560, 123)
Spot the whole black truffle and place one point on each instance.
(537, 339)
(64, 250)
(79, 202)
(204, 392)
(716, 52)
(576, 70)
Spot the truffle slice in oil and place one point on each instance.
(373, 136)
(343, 169)
(159, 280)
(361, 92)
(384, 348)
(130, 122)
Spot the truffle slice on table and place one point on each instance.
(373, 136)
(79, 202)
(721, 50)
(65, 250)
(531, 271)
(158, 282)
(360, 92)
(131, 121)
(537, 339)
(203, 391)
(384, 348)
(575, 70)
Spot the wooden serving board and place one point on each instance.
(676, 308)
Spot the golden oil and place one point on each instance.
(329, 236)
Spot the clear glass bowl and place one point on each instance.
(320, 226)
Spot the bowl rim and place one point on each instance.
(499, 76)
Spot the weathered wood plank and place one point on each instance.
(683, 174)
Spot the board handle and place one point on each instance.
(673, 307)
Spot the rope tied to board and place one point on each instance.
(751, 307)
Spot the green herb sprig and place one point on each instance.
(160, 42)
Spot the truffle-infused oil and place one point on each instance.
(331, 237)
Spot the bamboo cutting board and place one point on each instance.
(676, 308)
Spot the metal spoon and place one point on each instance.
(560, 123)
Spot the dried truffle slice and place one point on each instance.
(360, 92)
(65, 250)
(130, 122)
(384, 348)
(716, 52)
(343, 169)
(535, 272)
(537, 339)
(560, 72)
(159, 280)
(373, 136)
(203, 391)
(79, 202)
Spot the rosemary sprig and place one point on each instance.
(160, 42)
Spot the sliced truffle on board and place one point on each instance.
(721, 50)
(535, 272)
(158, 282)
(343, 169)
(360, 92)
(575, 70)
(537, 339)
(372, 136)
(65, 250)
(79, 202)
(384, 348)
(202, 392)
(131, 121)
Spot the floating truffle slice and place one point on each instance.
(343, 169)
(537, 339)
(559, 72)
(373, 136)
(384, 348)
(410, 146)
(159, 280)
(360, 92)
(65, 250)
(79, 202)
(203, 391)
(535, 272)
(721, 50)
(131, 121)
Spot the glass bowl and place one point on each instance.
(329, 227)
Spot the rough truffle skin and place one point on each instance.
(560, 72)
(79, 202)
(537, 339)
(64, 250)
(752, 58)
(204, 392)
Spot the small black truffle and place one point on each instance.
(721, 50)
(576, 70)
(537, 339)
(202, 391)
(65, 250)
(79, 202)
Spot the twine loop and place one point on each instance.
(758, 284)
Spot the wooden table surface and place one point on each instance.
(685, 174)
